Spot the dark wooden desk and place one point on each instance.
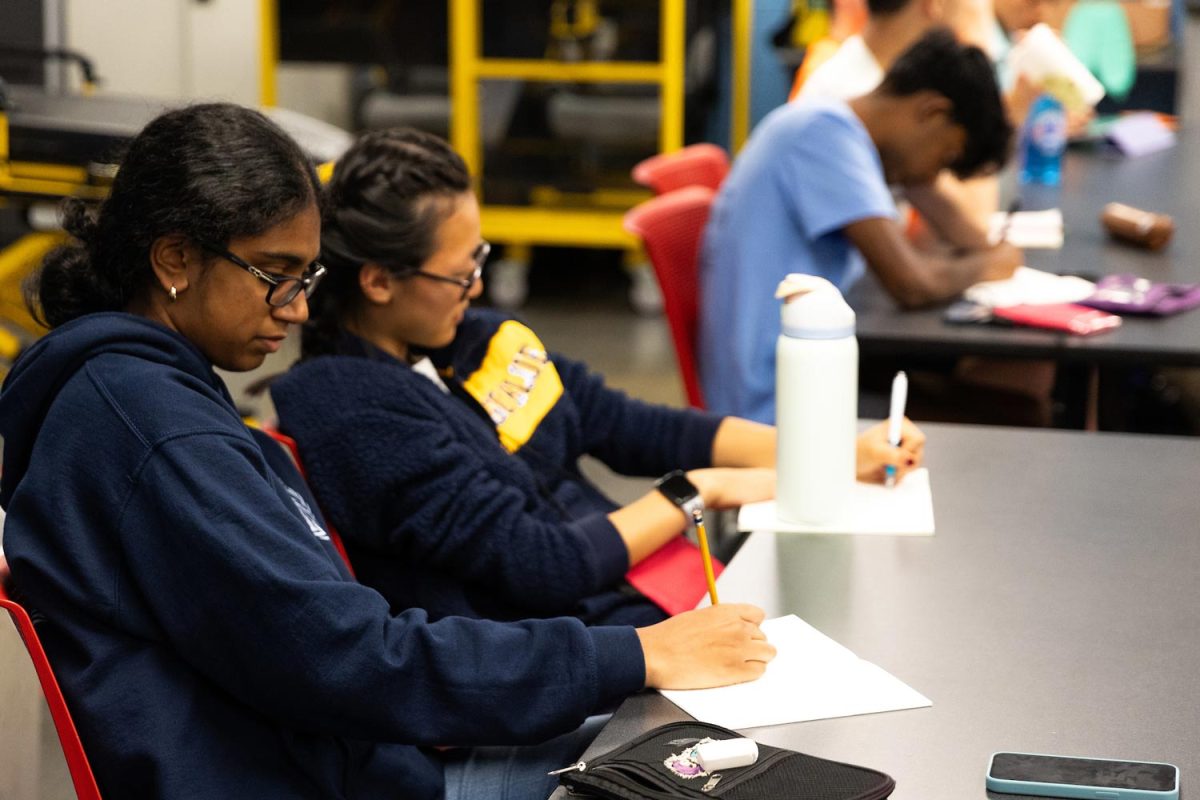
(1056, 610)
(1168, 182)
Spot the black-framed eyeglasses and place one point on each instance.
(283, 288)
(479, 257)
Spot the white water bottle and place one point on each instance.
(816, 401)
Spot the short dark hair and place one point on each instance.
(383, 205)
(963, 74)
(212, 172)
(885, 7)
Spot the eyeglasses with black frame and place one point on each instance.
(479, 256)
(283, 288)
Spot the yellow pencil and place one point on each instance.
(706, 556)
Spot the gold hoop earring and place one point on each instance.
(174, 294)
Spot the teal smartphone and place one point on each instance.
(1073, 776)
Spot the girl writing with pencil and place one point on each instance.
(208, 638)
(443, 441)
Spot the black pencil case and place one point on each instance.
(660, 764)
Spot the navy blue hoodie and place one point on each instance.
(472, 503)
(207, 637)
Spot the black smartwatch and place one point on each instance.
(676, 487)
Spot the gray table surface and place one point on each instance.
(1056, 610)
(1166, 182)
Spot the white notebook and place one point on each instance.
(812, 677)
(905, 509)
(1028, 230)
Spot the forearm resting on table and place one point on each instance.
(914, 278)
(957, 211)
(742, 443)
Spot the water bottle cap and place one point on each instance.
(813, 308)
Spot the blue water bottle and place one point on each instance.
(1043, 140)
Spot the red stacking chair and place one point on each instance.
(68, 737)
(294, 451)
(672, 227)
(695, 165)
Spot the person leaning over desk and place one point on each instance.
(444, 441)
(209, 640)
(809, 193)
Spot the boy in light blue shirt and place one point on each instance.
(809, 194)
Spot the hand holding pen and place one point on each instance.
(877, 454)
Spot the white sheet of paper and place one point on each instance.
(906, 509)
(812, 677)
(1028, 230)
(1031, 287)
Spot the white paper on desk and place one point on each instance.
(1029, 230)
(812, 677)
(1030, 287)
(905, 509)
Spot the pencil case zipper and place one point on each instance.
(657, 787)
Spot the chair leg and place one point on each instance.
(508, 278)
(644, 293)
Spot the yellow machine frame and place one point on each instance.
(268, 52)
(16, 261)
(50, 180)
(527, 225)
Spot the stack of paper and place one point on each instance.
(1030, 287)
(812, 677)
(1028, 229)
(905, 509)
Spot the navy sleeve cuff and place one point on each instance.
(609, 555)
(620, 664)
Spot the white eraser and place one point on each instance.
(726, 753)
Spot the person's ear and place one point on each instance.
(174, 260)
(375, 282)
(932, 108)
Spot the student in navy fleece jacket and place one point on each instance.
(454, 479)
(208, 639)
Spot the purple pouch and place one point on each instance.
(1129, 294)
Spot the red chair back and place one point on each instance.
(672, 228)
(695, 165)
(294, 450)
(68, 737)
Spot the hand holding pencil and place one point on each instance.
(713, 646)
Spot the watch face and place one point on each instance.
(678, 488)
